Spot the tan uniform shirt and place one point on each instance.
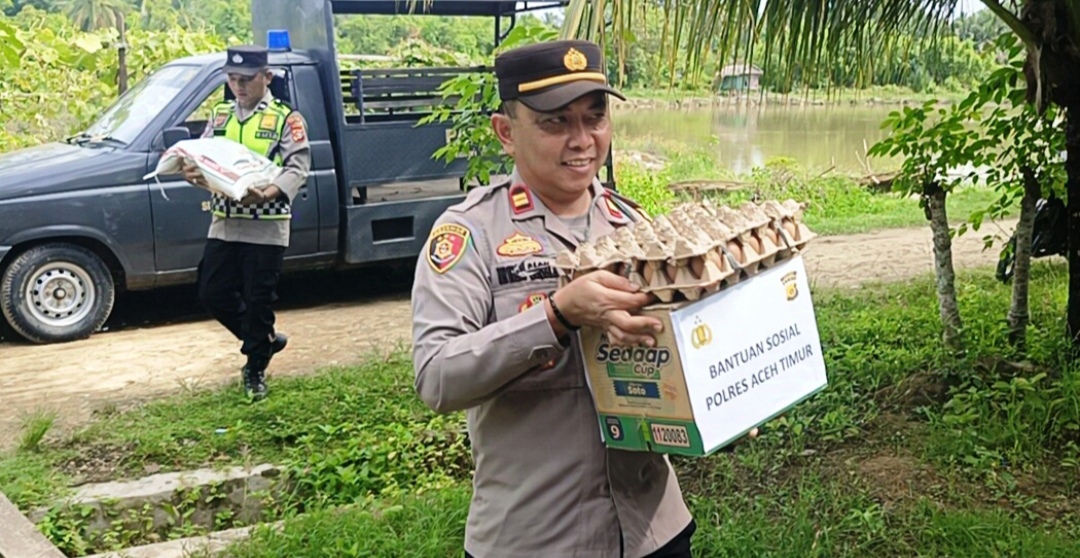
(544, 485)
(296, 162)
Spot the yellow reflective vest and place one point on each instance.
(262, 134)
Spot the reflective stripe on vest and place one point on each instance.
(260, 133)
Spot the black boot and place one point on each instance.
(278, 344)
(254, 383)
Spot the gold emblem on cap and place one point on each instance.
(574, 60)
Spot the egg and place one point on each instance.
(697, 265)
(715, 258)
(736, 251)
(772, 235)
(754, 244)
(671, 270)
(791, 228)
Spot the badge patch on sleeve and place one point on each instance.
(519, 245)
(446, 246)
(296, 127)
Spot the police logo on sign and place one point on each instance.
(791, 287)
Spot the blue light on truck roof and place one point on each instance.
(277, 39)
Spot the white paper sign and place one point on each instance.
(750, 352)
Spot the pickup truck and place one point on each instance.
(79, 224)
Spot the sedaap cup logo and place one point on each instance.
(632, 362)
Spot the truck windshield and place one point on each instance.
(132, 113)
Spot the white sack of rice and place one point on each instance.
(230, 167)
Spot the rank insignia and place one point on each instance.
(620, 209)
(613, 208)
(520, 199)
(446, 246)
(532, 300)
(519, 245)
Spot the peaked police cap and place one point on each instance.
(246, 60)
(550, 75)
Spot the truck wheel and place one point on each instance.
(56, 292)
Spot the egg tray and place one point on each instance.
(696, 249)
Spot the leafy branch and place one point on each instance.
(477, 97)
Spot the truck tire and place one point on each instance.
(56, 293)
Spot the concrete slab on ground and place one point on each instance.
(18, 536)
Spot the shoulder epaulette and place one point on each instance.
(629, 202)
(477, 195)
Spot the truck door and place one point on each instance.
(181, 221)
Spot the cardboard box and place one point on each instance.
(723, 365)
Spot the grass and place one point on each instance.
(813, 516)
(215, 427)
(907, 453)
(341, 435)
(836, 204)
(404, 526)
(35, 427)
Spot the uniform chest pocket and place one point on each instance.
(516, 288)
(519, 285)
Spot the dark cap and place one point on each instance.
(550, 75)
(246, 60)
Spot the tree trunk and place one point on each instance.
(1018, 315)
(945, 275)
(1072, 192)
(122, 74)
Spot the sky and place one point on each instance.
(969, 6)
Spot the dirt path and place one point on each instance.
(130, 365)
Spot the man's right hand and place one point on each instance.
(193, 175)
(604, 300)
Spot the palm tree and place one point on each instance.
(98, 14)
(810, 35)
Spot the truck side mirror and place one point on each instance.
(173, 135)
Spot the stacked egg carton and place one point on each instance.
(694, 250)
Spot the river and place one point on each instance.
(818, 137)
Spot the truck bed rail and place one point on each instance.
(396, 94)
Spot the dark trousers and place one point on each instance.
(678, 547)
(238, 284)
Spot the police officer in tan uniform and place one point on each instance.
(244, 254)
(494, 337)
